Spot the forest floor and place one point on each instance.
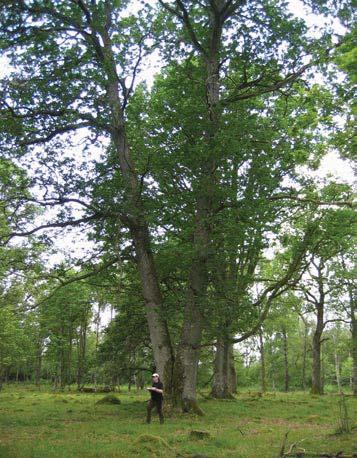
(45, 424)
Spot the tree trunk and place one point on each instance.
(159, 333)
(352, 300)
(225, 377)
(354, 352)
(188, 355)
(232, 373)
(62, 361)
(38, 362)
(304, 356)
(97, 326)
(69, 360)
(317, 386)
(138, 226)
(286, 360)
(262, 362)
(82, 351)
(319, 304)
(337, 363)
(220, 388)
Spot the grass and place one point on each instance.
(45, 424)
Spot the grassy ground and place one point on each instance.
(44, 424)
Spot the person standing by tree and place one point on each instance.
(156, 391)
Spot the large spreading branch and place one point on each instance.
(77, 278)
(291, 277)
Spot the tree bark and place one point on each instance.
(304, 356)
(318, 301)
(82, 349)
(220, 389)
(354, 341)
(317, 385)
(232, 373)
(62, 361)
(225, 377)
(286, 360)
(159, 333)
(198, 280)
(262, 362)
(38, 367)
(136, 222)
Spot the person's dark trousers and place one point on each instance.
(152, 404)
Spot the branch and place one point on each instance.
(31, 113)
(76, 222)
(54, 133)
(53, 201)
(75, 279)
(266, 89)
(336, 319)
(85, 10)
(128, 91)
(276, 289)
(230, 7)
(185, 19)
(340, 203)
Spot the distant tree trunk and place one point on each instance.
(286, 360)
(81, 352)
(62, 361)
(69, 359)
(38, 367)
(317, 386)
(337, 364)
(352, 301)
(318, 301)
(354, 356)
(304, 356)
(97, 325)
(262, 362)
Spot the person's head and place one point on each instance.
(155, 378)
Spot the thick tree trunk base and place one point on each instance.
(317, 390)
(174, 373)
(191, 405)
(220, 395)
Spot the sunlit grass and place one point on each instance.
(44, 424)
